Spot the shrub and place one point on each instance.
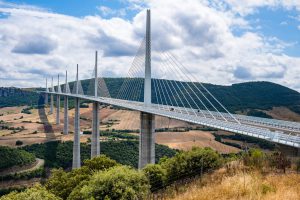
(62, 183)
(190, 163)
(156, 176)
(279, 161)
(34, 193)
(24, 175)
(255, 158)
(86, 132)
(298, 165)
(19, 143)
(119, 182)
(101, 162)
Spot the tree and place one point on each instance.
(279, 161)
(120, 182)
(190, 163)
(35, 193)
(255, 158)
(156, 176)
(298, 165)
(62, 183)
(101, 162)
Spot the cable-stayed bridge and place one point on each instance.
(177, 96)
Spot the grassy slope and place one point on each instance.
(239, 186)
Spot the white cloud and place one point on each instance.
(246, 7)
(201, 38)
(107, 12)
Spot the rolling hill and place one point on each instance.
(237, 97)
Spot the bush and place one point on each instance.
(62, 183)
(19, 143)
(255, 158)
(14, 157)
(34, 193)
(24, 175)
(119, 182)
(86, 132)
(298, 165)
(156, 176)
(190, 163)
(279, 161)
(101, 162)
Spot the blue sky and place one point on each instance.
(222, 42)
(79, 8)
(279, 23)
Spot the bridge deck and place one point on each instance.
(278, 131)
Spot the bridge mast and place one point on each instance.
(95, 144)
(147, 132)
(147, 84)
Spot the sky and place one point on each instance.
(218, 41)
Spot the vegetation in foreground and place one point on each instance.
(104, 178)
(252, 175)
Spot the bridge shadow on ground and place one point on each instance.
(50, 147)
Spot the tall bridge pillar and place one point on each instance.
(147, 133)
(66, 115)
(46, 99)
(46, 94)
(66, 107)
(57, 109)
(95, 143)
(58, 103)
(147, 140)
(51, 98)
(51, 104)
(76, 144)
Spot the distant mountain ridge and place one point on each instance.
(237, 97)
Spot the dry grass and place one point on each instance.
(283, 113)
(187, 140)
(243, 186)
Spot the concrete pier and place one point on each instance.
(46, 99)
(57, 109)
(76, 143)
(147, 140)
(51, 104)
(66, 115)
(95, 143)
(46, 94)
